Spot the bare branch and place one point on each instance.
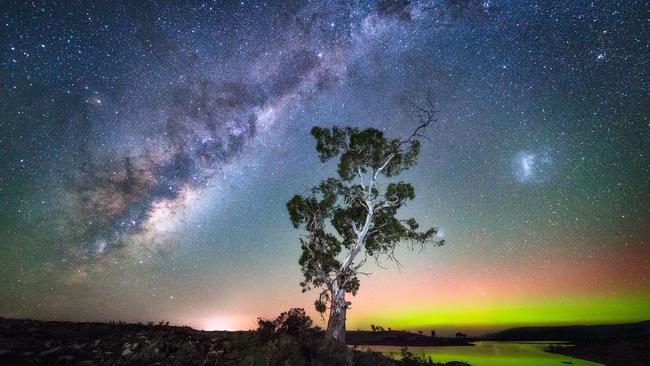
(388, 159)
(379, 264)
(363, 273)
(386, 204)
(426, 116)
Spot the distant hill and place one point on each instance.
(399, 338)
(572, 332)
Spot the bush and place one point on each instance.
(291, 339)
(294, 323)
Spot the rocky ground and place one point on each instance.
(30, 342)
(25, 342)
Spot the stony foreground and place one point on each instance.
(30, 342)
(67, 343)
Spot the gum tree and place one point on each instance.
(352, 217)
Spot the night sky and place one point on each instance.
(147, 152)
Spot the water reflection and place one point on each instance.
(491, 354)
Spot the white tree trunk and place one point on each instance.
(336, 321)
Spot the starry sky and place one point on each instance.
(147, 150)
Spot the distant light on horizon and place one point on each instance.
(222, 322)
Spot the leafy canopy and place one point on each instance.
(351, 212)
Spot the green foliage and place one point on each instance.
(336, 206)
(364, 150)
(320, 306)
(352, 285)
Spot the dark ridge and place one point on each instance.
(400, 338)
(572, 332)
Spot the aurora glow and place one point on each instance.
(147, 152)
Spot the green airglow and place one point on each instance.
(583, 310)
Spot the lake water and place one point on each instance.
(492, 354)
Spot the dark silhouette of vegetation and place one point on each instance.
(350, 218)
(291, 339)
(460, 335)
(408, 358)
(288, 340)
(377, 328)
(294, 323)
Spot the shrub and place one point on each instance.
(294, 323)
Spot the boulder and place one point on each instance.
(66, 358)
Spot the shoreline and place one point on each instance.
(611, 351)
(401, 338)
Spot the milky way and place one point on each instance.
(195, 123)
(148, 151)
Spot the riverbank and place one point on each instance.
(491, 353)
(611, 352)
(400, 338)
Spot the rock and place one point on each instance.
(50, 351)
(126, 352)
(86, 363)
(231, 356)
(66, 358)
(97, 342)
(28, 353)
(248, 361)
(227, 345)
(4, 352)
